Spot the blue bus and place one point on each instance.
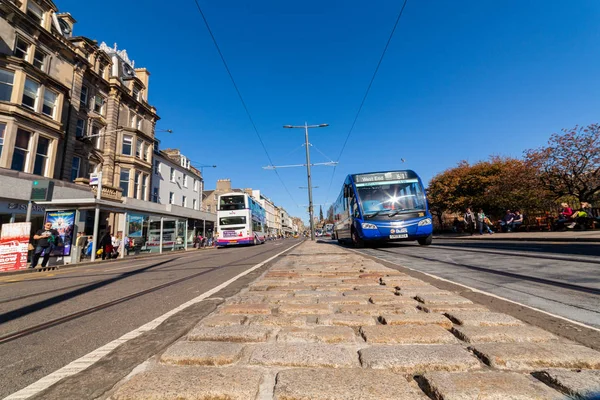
(240, 220)
(381, 207)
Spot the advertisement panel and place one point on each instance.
(63, 222)
(14, 241)
(136, 225)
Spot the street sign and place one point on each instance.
(41, 190)
(94, 179)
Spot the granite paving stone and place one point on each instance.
(533, 356)
(277, 320)
(407, 334)
(487, 386)
(479, 318)
(308, 309)
(436, 299)
(486, 334)
(417, 359)
(446, 308)
(579, 384)
(317, 334)
(202, 353)
(371, 309)
(259, 308)
(346, 320)
(233, 333)
(347, 384)
(342, 300)
(392, 300)
(223, 320)
(304, 355)
(421, 318)
(191, 383)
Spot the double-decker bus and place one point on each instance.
(382, 206)
(240, 220)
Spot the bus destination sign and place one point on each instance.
(381, 177)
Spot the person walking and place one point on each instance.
(106, 245)
(47, 239)
(482, 222)
(469, 221)
(81, 244)
(116, 244)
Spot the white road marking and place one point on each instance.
(86, 361)
(485, 293)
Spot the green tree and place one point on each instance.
(321, 213)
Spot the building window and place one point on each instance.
(124, 181)
(21, 48)
(41, 156)
(156, 167)
(80, 128)
(127, 143)
(184, 201)
(208, 208)
(99, 104)
(21, 151)
(171, 198)
(75, 168)
(195, 204)
(30, 93)
(96, 135)
(35, 12)
(184, 180)
(155, 195)
(6, 84)
(49, 105)
(38, 59)
(136, 184)
(172, 176)
(148, 153)
(83, 96)
(2, 130)
(145, 188)
(136, 93)
(139, 148)
(132, 120)
(140, 123)
(195, 185)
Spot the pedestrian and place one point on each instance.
(81, 244)
(507, 221)
(469, 221)
(517, 220)
(116, 244)
(47, 240)
(127, 244)
(105, 245)
(481, 222)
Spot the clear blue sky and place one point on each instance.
(460, 80)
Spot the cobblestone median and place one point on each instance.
(326, 323)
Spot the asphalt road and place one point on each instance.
(32, 299)
(559, 278)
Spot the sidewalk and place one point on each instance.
(567, 236)
(326, 323)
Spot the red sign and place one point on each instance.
(14, 242)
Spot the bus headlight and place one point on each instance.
(426, 221)
(366, 225)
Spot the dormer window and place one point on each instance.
(136, 93)
(35, 12)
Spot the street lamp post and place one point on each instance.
(310, 200)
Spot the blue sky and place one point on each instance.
(460, 80)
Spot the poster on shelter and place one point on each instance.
(64, 223)
(136, 225)
(14, 242)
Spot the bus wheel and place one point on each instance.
(255, 241)
(426, 241)
(356, 240)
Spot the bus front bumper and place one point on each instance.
(408, 231)
(234, 242)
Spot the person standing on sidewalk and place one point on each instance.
(481, 222)
(469, 221)
(47, 240)
(106, 245)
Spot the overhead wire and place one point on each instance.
(241, 98)
(366, 93)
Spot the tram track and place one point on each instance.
(11, 315)
(544, 281)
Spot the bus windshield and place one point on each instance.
(391, 198)
(232, 221)
(232, 202)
